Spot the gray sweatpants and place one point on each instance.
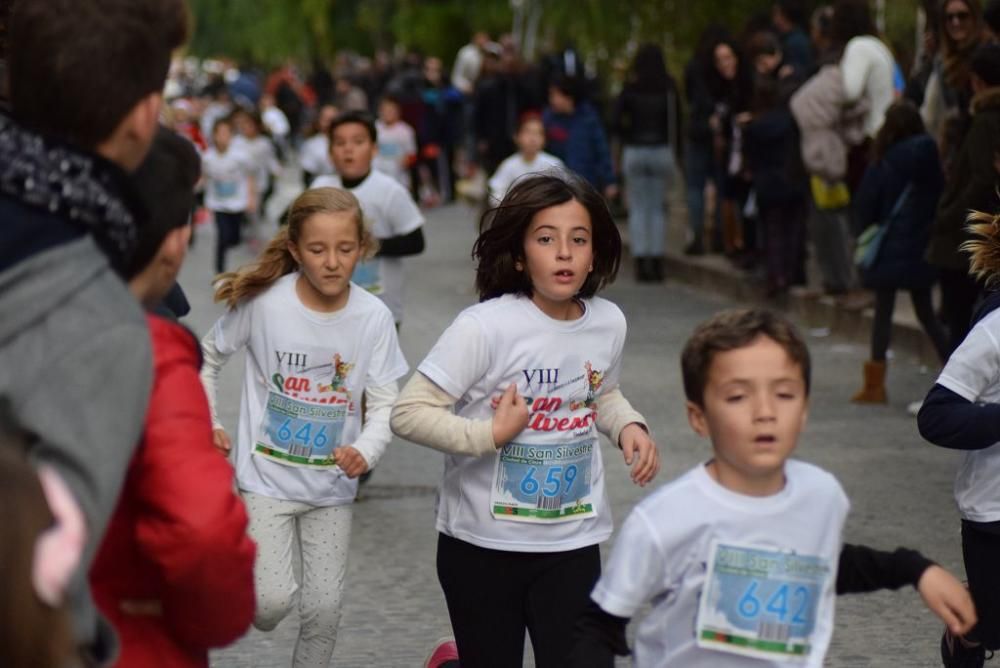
(323, 535)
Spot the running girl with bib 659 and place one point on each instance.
(315, 344)
(532, 373)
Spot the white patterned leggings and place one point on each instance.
(323, 534)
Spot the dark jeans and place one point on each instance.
(784, 228)
(228, 227)
(981, 551)
(494, 595)
(958, 297)
(885, 303)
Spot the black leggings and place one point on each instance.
(494, 595)
(228, 227)
(981, 551)
(959, 293)
(885, 303)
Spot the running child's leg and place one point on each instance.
(981, 550)
(324, 535)
(557, 597)
(485, 592)
(272, 527)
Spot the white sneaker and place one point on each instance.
(914, 407)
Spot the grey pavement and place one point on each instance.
(900, 487)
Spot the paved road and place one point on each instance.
(899, 486)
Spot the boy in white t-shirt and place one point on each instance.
(395, 219)
(230, 191)
(530, 157)
(397, 143)
(741, 557)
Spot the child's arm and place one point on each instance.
(864, 569)
(402, 245)
(627, 429)
(375, 436)
(951, 421)
(423, 414)
(212, 362)
(599, 637)
(407, 224)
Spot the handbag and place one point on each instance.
(870, 240)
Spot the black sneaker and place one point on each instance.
(956, 654)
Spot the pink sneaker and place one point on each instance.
(445, 650)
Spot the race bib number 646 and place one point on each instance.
(760, 603)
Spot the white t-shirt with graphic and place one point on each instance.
(973, 373)
(391, 213)
(395, 143)
(305, 376)
(544, 491)
(227, 179)
(314, 155)
(262, 156)
(772, 561)
(514, 167)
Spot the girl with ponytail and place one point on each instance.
(316, 345)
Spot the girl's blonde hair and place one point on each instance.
(276, 260)
(984, 251)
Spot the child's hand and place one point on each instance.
(640, 453)
(510, 418)
(350, 461)
(947, 598)
(222, 442)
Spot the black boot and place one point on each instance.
(642, 269)
(656, 269)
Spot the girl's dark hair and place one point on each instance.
(502, 229)
(736, 92)
(902, 120)
(851, 18)
(649, 71)
(567, 86)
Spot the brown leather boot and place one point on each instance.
(873, 391)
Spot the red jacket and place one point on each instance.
(177, 540)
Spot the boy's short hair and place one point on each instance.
(361, 117)
(986, 64)
(165, 181)
(76, 69)
(528, 117)
(391, 99)
(228, 119)
(730, 330)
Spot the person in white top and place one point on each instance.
(316, 344)
(230, 191)
(258, 146)
(468, 62)
(740, 557)
(530, 157)
(866, 64)
(532, 374)
(397, 143)
(961, 412)
(314, 154)
(275, 120)
(394, 217)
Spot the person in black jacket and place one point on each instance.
(645, 121)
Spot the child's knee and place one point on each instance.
(272, 607)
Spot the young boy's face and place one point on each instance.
(352, 150)
(531, 137)
(388, 111)
(754, 406)
(222, 135)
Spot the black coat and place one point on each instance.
(900, 263)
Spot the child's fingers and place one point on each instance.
(964, 613)
(628, 449)
(647, 464)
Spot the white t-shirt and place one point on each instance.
(515, 167)
(391, 212)
(226, 179)
(663, 552)
(867, 67)
(262, 156)
(973, 373)
(314, 155)
(276, 122)
(395, 143)
(543, 492)
(305, 376)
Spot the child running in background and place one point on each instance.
(230, 192)
(397, 143)
(962, 412)
(315, 344)
(746, 576)
(314, 154)
(530, 157)
(253, 140)
(532, 374)
(395, 219)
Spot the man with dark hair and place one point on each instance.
(788, 17)
(85, 81)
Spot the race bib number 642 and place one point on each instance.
(760, 603)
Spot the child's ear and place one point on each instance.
(294, 251)
(696, 418)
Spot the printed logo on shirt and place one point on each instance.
(551, 397)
